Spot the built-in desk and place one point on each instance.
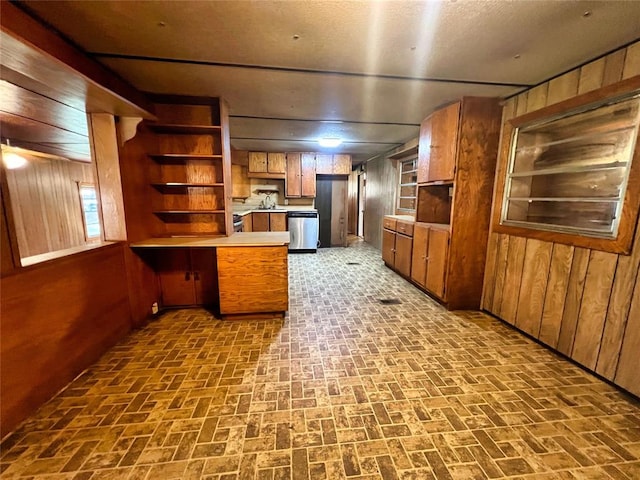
(245, 274)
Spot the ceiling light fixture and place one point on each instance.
(11, 159)
(330, 142)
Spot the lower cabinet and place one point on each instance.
(187, 276)
(396, 250)
(269, 222)
(253, 280)
(430, 257)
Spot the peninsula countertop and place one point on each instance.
(239, 239)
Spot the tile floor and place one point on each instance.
(344, 387)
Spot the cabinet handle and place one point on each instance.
(187, 275)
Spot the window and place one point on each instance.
(90, 213)
(408, 186)
(569, 173)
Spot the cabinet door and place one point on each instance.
(292, 179)
(424, 150)
(324, 164)
(205, 277)
(277, 222)
(176, 279)
(276, 162)
(419, 255)
(437, 264)
(308, 175)
(341, 164)
(257, 162)
(403, 254)
(388, 247)
(260, 221)
(247, 223)
(444, 143)
(240, 183)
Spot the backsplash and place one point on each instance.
(277, 196)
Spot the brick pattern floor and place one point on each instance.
(345, 387)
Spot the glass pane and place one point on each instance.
(408, 191)
(408, 178)
(600, 183)
(408, 165)
(601, 150)
(407, 203)
(89, 202)
(599, 119)
(585, 216)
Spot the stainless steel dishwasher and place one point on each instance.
(303, 230)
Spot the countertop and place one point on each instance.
(239, 239)
(404, 218)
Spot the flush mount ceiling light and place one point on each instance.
(330, 142)
(11, 159)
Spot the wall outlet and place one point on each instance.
(154, 308)
(286, 201)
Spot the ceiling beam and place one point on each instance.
(317, 120)
(303, 70)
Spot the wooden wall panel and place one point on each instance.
(489, 272)
(591, 308)
(628, 373)
(535, 276)
(632, 61)
(575, 288)
(105, 156)
(563, 87)
(501, 270)
(618, 311)
(49, 338)
(561, 260)
(46, 204)
(513, 279)
(382, 184)
(6, 253)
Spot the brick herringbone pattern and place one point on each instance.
(344, 387)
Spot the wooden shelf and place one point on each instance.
(412, 151)
(185, 129)
(180, 157)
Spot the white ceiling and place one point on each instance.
(286, 68)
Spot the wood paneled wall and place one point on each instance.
(81, 309)
(381, 188)
(45, 203)
(580, 302)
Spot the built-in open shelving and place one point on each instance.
(174, 129)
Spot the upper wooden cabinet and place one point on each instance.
(458, 151)
(301, 175)
(257, 162)
(444, 143)
(339, 164)
(308, 175)
(276, 162)
(267, 165)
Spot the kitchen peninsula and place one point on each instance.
(246, 274)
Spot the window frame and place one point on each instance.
(401, 210)
(623, 240)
